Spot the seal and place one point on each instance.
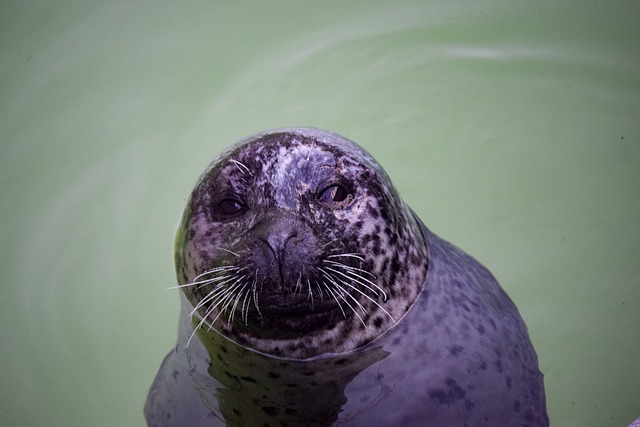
(306, 278)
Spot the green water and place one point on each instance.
(512, 128)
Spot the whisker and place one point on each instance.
(329, 243)
(255, 293)
(360, 280)
(201, 283)
(204, 282)
(218, 269)
(348, 267)
(231, 252)
(340, 294)
(298, 287)
(213, 295)
(235, 304)
(198, 326)
(348, 255)
(335, 298)
(245, 314)
(319, 291)
(364, 295)
(241, 166)
(310, 296)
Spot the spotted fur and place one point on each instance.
(404, 329)
(281, 174)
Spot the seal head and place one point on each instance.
(295, 243)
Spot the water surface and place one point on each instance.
(512, 129)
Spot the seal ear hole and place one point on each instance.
(336, 195)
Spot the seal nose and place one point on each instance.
(277, 240)
(285, 247)
(275, 231)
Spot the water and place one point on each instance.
(512, 129)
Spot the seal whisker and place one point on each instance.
(229, 292)
(200, 282)
(330, 291)
(360, 280)
(319, 291)
(218, 294)
(348, 255)
(254, 287)
(353, 274)
(217, 281)
(211, 296)
(336, 283)
(310, 296)
(230, 251)
(329, 243)
(218, 269)
(241, 166)
(224, 298)
(377, 304)
(348, 267)
(298, 287)
(198, 326)
(341, 295)
(245, 311)
(235, 304)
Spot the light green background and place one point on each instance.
(512, 128)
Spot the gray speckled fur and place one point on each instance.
(279, 173)
(460, 356)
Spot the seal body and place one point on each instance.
(312, 295)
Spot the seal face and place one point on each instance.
(295, 243)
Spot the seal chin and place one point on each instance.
(286, 323)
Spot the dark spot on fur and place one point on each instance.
(455, 350)
(377, 322)
(273, 375)
(230, 375)
(249, 379)
(529, 416)
(270, 410)
(450, 395)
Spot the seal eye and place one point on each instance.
(336, 194)
(230, 207)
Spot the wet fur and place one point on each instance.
(432, 340)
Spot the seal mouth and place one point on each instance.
(242, 300)
(283, 323)
(285, 315)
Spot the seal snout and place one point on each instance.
(286, 252)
